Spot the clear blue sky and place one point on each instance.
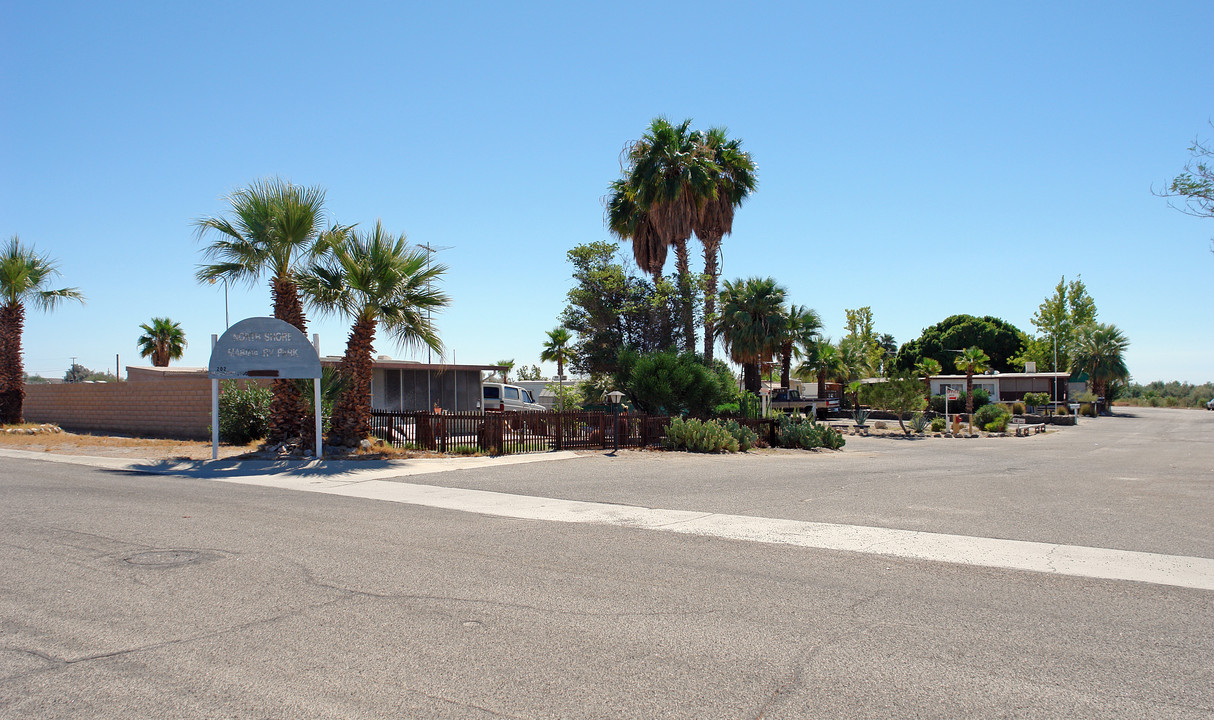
(924, 159)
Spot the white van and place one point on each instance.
(499, 396)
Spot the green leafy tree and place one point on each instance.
(1058, 320)
(608, 309)
(900, 393)
(735, 179)
(971, 360)
(856, 360)
(1000, 340)
(669, 382)
(162, 340)
(25, 277)
(376, 280)
(274, 228)
(77, 373)
(1100, 352)
(530, 372)
(672, 176)
(1194, 187)
(753, 324)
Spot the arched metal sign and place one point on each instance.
(263, 347)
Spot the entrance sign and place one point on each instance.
(953, 395)
(263, 347)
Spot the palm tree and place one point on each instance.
(627, 221)
(735, 179)
(752, 324)
(506, 366)
(672, 176)
(162, 340)
(375, 279)
(928, 368)
(971, 360)
(802, 328)
(24, 276)
(556, 349)
(1100, 352)
(857, 362)
(274, 228)
(823, 362)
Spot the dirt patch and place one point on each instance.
(67, 443)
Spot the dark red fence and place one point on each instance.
(509, 432)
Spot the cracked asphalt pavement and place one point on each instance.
(260, 602)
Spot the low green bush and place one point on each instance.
(981, 398)
(244, 413)
(1018, 408)
(992, 418)
(1036, 399)
(699, 436)
(938, 424)
(807, 435)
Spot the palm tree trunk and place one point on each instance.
(712, 272)
(351, 420)
(821, 384)
(750, 378)
(683, 264)
(785, 364)
(969, 396)
(287, 408)
(12, 374)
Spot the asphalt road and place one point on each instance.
(129, 595)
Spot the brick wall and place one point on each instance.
(177, 408)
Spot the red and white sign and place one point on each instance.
(953, 395)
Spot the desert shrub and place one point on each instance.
(671, 383)
(807, 435)
(860, 415)
(938, 424)
(699, 436)
(745, 436)
(1063, 409)
(918, 422)
(244, 413)
(1018, 408)
(992, 418)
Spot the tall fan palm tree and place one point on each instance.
(628, 222)
(672, 177)
(802, 327)
(274, 228)
(1100, 352)
(556, 349)
(752, 325)
(735, 179)
(822, 362)
(162, 340)
(24, 276)
(971, 360)
(376, 280)
(857, 361)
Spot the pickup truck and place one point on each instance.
(791, 401)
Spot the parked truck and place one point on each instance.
(792, 400)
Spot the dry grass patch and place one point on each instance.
(68, 443)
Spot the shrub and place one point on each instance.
(992, 418)
(1018, 408)
(807, 435)
(244, 413)
(938, 424)
(699, 436)
(860, 415)
(1036, 399)
(745, 436)
(918, 422)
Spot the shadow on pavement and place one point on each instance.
(254, 468)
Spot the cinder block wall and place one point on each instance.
(180, 409)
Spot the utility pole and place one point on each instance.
(430, 250)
